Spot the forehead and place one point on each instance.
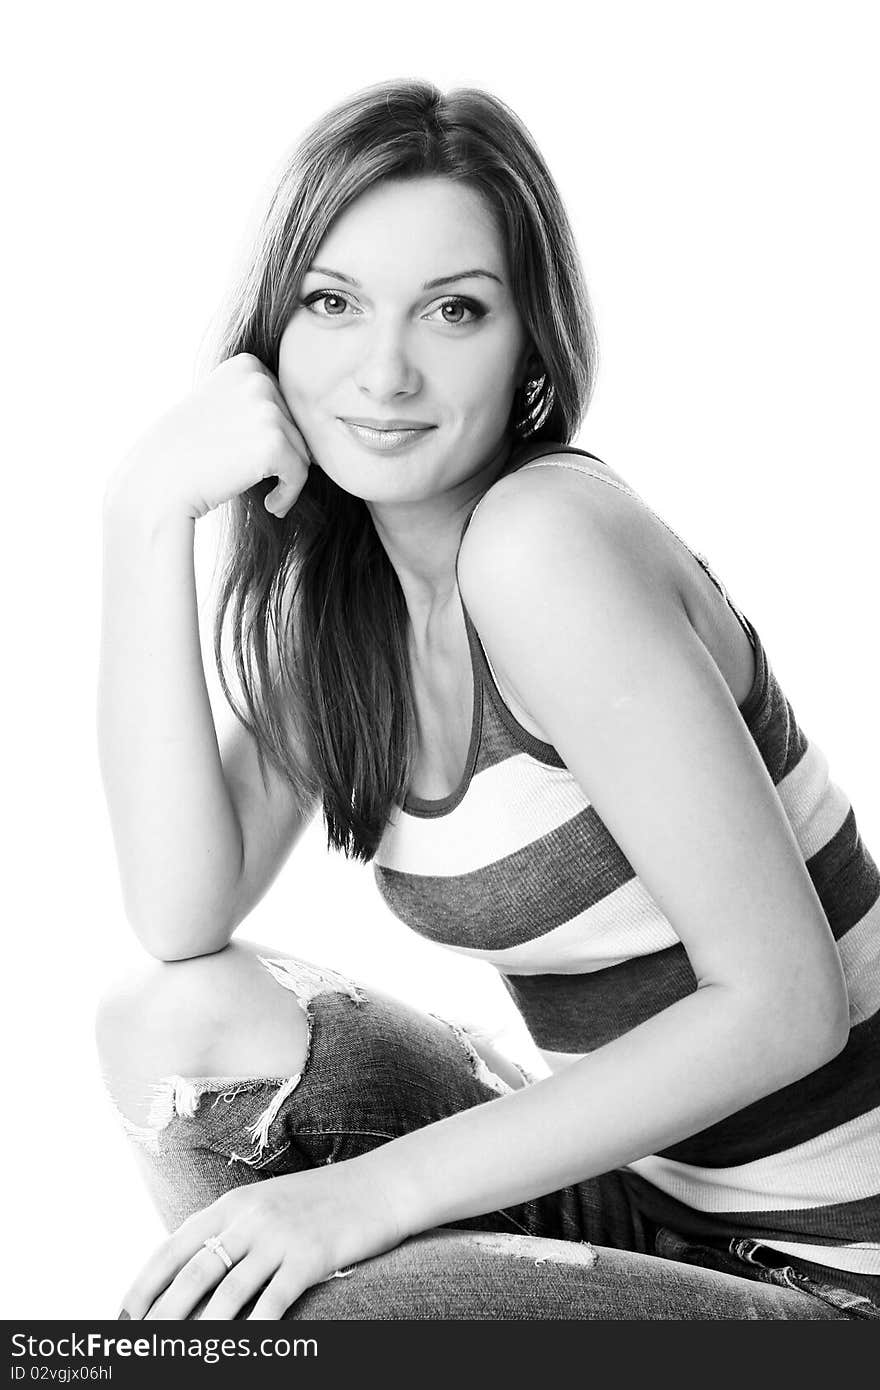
(414, 229)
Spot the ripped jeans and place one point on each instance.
(377, 1068)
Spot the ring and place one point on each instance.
(215, 1245)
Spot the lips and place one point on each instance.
(387, 435)
(369, 424)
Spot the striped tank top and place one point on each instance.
(515, 867)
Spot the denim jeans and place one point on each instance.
(377, 1068)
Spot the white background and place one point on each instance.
(719, 163)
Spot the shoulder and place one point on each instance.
(571, 584)
(586, 537)
(558, 528)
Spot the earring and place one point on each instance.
(535, 373)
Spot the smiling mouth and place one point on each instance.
(387, 437)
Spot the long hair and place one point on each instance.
(318, 619)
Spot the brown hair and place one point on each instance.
(319, 623)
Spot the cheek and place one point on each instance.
(501, 366)
(483, 373)
(487, 384)
(306, 370)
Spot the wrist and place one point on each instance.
(393, 1190)
(131, 503)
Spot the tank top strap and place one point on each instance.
(531, 453)
(522, 458)
(547, 455)
(604, 477)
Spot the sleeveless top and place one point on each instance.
(516, 868)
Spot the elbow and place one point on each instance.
(838, 1033)
(170, 930)
(812, 1037)
(831, 1014)
(167, 953)
(169, 941)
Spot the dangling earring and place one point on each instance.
(528, 395)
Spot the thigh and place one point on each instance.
(450, 1274)
(375, 1068)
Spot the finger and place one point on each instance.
(241, 1283)
(278, 397)
(202, 1273)
(154, 1278)
(278, 1295)
(295, 439)
(282, 497)
(168, 1260)
(280, 500)
(279, 460)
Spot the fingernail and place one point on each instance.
(124, 1315)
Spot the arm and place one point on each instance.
(198, 838)
(178, 840)
(589, 633)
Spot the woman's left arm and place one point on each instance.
(585, 625)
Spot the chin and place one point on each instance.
(408, 475)
(363, 483)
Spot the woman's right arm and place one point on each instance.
(198, 838)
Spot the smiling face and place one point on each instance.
(402, 356)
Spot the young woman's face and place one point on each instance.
(401, 359)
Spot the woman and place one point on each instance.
(519, 694)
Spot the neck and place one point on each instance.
(421, 539)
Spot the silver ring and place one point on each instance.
(215, 1245)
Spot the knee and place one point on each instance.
(158, 1016)
(219, 1014)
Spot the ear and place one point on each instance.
(530, 364)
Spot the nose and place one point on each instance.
(386, 369)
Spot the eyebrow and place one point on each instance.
(428, 285)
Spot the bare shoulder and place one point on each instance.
(553, 549)
(560, 516)
(561, 526)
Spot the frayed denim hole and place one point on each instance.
(224, 1122)
(186, 1111)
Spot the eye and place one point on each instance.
(457, 311)
(334, 304)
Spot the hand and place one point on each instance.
(283, 1235)
(229, 434)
